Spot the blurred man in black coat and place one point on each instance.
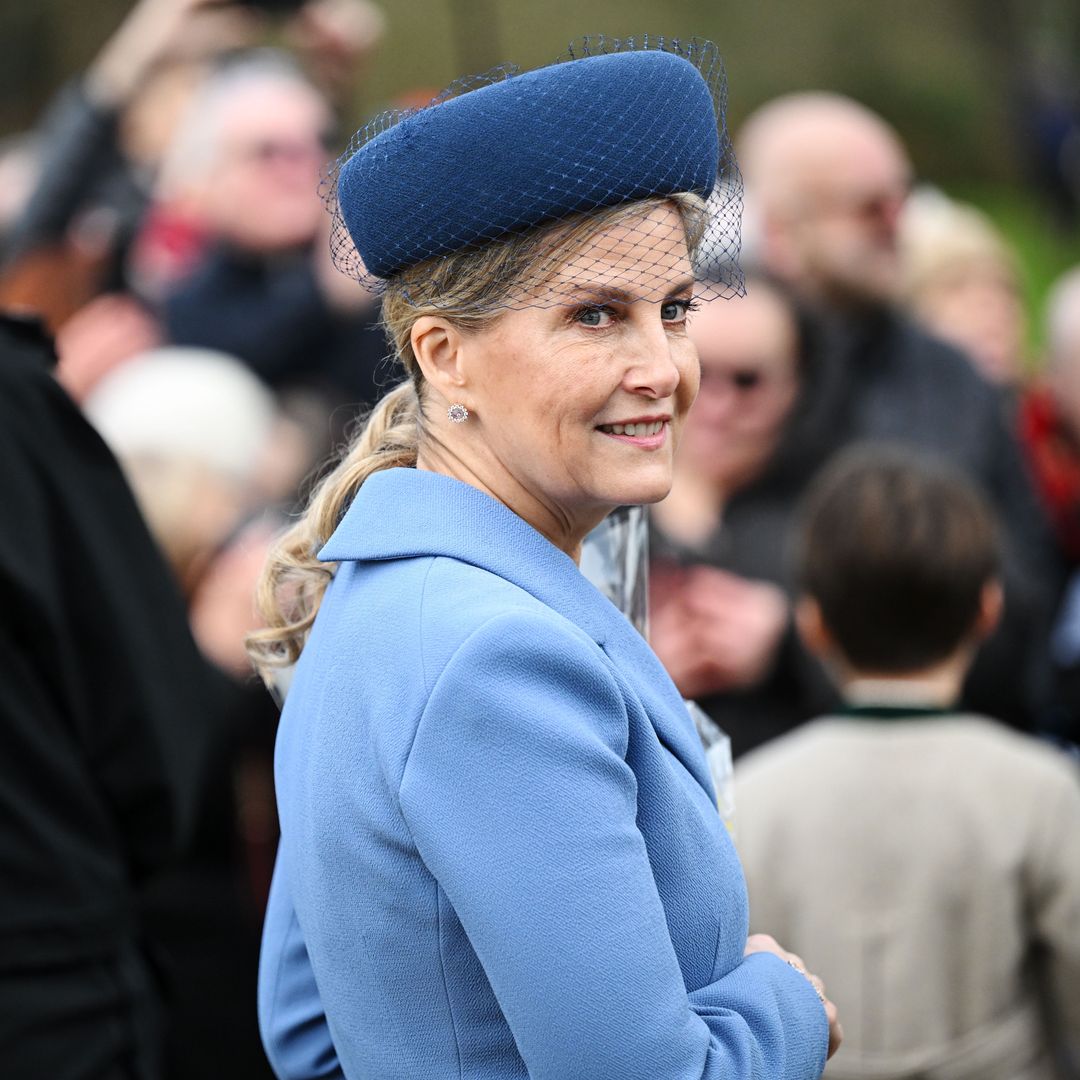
(105, 717)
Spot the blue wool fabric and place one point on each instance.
(500, 852)
(592, 132)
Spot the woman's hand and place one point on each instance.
(759, 943)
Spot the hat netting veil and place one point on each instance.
(508, 156)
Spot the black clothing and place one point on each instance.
(105, 716)
(82, 167)
(203, 915)
(270, 313)
(891, 380)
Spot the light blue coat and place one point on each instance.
(500, 853)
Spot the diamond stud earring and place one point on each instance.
(458, 413)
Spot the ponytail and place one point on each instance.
(293, 581)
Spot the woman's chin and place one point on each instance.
(643, 493)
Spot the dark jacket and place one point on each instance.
(270, 312)
(82, 167)
(104, 719)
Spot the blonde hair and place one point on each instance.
(469, 289)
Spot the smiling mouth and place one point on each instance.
(640, 430)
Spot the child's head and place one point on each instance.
(898, 563)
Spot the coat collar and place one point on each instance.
(407, 513)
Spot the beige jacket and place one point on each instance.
(914, 864)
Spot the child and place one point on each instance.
(923, 859)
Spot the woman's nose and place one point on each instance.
(654, 371)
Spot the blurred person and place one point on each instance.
(1051, 416)
(720, 582)
(191, 429)
(961, 281)
(948, 844)
(100, 145)
(106, 715)
(827, 181)
(247, 162)
(1050, 425)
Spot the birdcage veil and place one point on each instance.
(614, 130)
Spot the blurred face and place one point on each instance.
(981, 312)
(263, 195)
(842, 229)
(577, 408)
(747, 348)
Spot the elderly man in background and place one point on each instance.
(827, 180)
(245, 167)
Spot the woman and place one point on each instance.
(501, 855)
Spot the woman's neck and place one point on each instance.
(565, 532)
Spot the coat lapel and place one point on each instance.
(407, 513)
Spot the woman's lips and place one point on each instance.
(647, 434)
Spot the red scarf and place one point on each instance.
(1053, 454)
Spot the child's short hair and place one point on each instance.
(896, 550)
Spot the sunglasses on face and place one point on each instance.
(741, 380)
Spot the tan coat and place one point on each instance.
(913, 864)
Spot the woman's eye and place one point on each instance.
(594, 316)
(674, 310)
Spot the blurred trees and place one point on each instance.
(975, 87)
(949, 73)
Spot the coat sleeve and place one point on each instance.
(521, 803)
(292, 1022)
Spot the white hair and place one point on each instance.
(1063, 317)
(197, 144)
(189, 405)
(939, 236)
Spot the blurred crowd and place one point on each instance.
(165, 222)
(874, 312)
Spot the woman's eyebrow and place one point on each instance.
(684, 286)
(586, 291)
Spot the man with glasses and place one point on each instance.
(246, 163)
(826, 183)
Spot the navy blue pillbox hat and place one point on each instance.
(531, 148)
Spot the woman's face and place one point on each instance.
(749, 383)
(578, 407)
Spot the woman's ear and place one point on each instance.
(437, 346)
